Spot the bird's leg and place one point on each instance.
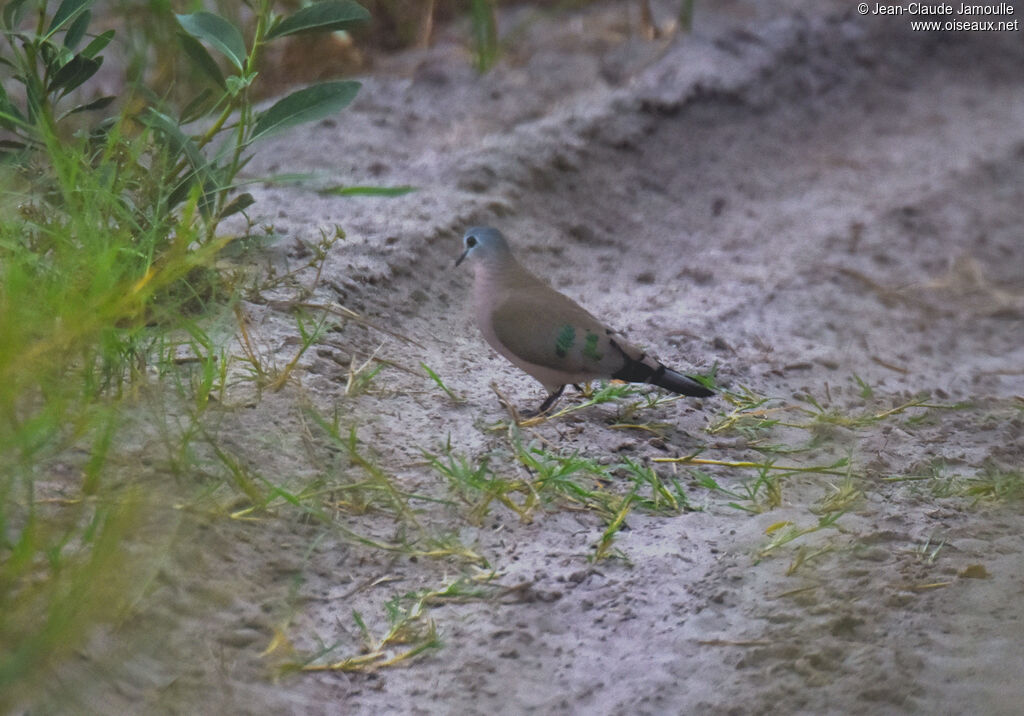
(550, 400)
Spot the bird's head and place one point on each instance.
(483, 244)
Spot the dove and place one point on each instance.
(547, 334)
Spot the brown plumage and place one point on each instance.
(548, 335)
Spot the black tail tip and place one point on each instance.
(636, 372)
(698, 389)
(683, 385)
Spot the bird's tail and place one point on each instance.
(682, 384)
(642, 371)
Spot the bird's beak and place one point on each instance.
(461, 258)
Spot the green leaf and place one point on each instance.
(8, 113)
(179, 193)
(101, 103)
(283, 178)
(54, 56)
(74, 73)
(77, 30)
(306, 105)
(10, 120)
(203, 172)
(201, 58)
(217, 31)
(368, 190)
(237, 83)
(14, 13)
(10, 117)
(238, 204)
(68, 10)
(197, 107)
(325, 16)
(98, 44)
(178, 141)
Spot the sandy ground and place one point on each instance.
(793, 192)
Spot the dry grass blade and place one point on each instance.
(818, 469)
(410, 625)
(513, 412)
(360, 377)
(339, 310)
(608, 536)
(379, 658)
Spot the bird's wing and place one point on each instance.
(552, 331)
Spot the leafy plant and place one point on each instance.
(103, 234)
(211, 159)
(77, 291)
(46, 60)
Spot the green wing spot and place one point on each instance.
(566, 337)
(590, 347)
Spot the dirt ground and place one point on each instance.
(793, 193)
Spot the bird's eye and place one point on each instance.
(470, 241)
